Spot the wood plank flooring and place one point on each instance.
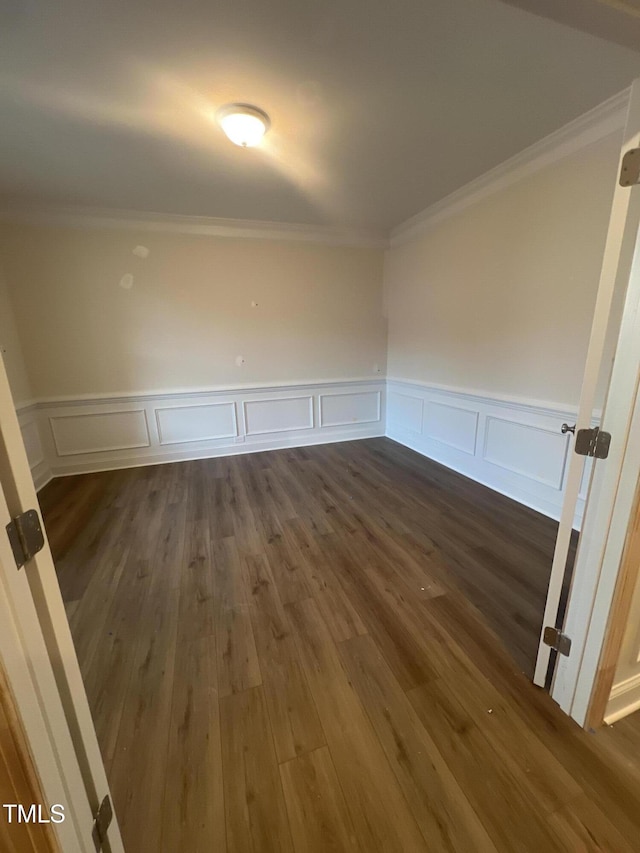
(322, 649)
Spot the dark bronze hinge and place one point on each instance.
(25, 536)
(102, 822)
(593, 442)
(557, 640)
(630, 171)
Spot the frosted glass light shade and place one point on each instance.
(243, 124)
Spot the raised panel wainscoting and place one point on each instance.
(72, 436)
(512, 446)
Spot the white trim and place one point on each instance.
(470, 411)
(528, 404)
(605, 119)
(30, 422)
(632, 683)
(26, 406)
(49, 462)
(178, 407)
(531, 483)
(25, 660)
(554, 484)
(540, 493)
(324, 423)
(134, 220)
(105, 449)
(187, 455)
(310, 425)
(113, 397)
(42, 475)
(38, 610)
(614, 481)
(623, 700)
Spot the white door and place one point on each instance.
(620, 272)
(41, 662)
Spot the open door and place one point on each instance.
(575, 635)
(41, 663)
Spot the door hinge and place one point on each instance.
(102, 822)
(26, 536)
(593, 442)
(630, 171)
(557, 640)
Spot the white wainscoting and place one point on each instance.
(453, 426)
(623, 700)
(284, 414)
(75, 436)
(514, 447)
(28, 418)
(535, 452)
(344, 408)
(78, 433)
(180, 424)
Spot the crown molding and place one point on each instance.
(91, 217)
(603, 120)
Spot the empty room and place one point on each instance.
(320, 426)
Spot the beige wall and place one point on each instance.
(11, 348)
(499, 297)
(188, 315)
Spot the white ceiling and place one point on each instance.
(615, 20)
(379, 107)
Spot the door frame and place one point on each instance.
(618, 620)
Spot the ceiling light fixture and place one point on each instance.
(244, 124)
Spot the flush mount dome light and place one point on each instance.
(244, 125)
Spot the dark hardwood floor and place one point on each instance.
(307, 650)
